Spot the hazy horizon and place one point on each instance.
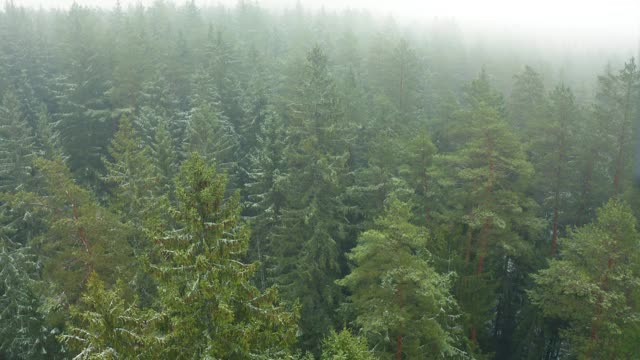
(591, 25)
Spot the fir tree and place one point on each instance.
(217, 313)
(24, 333)
(104, 326)
(132, 173)
(308, 252)
(16, 146)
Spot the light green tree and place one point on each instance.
(593, 286)
(205, 290)
(401, 302)
(105, 326)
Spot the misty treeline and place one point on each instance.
(232, 183)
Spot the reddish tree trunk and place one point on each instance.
(484, 244)
(82, 235)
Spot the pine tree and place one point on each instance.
(153, 129)
(554, 149)
(401, 302)
(83, 114)
(592, 286)
(80, 237)
(217, 313)
(163, 155)
(496, 220)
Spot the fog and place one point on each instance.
(238, 179)
(582, 24)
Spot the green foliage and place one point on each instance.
(265, 195)
(80, 237)
(591, 286)
(136, 193)
(210, 135)
(400, 299)
(17, 146)
(311, 234)
(344, 345)
(314, 139)
(483, 184)
(213, 311)
(23, 330)
(105, 326)
(528, 105)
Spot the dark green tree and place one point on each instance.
(312, 236)
(131, 172)
(17, 146)
(24, 333)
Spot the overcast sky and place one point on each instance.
(614, 20)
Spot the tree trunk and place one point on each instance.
(554, 235)
(399, 336)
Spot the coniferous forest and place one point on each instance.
(185, 182)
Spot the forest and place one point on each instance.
(231, 182)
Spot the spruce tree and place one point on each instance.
(131, 172)
(17, 146)
(309, 249)
(217, 313)
(24, 333)
(105, 325)
(265, 195)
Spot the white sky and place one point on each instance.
(606, 18)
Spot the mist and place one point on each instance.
(316, 180)
(566, 36)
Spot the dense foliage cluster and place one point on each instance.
(232, 183)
